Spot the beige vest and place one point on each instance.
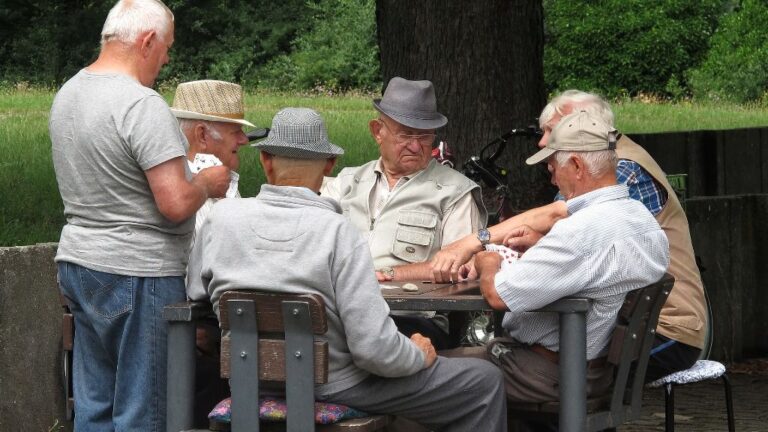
(684, 315)
(408, 227)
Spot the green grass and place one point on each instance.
(31, 209)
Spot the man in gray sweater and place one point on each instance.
(290, 239)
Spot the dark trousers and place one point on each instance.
(669, 356)
(409, 325)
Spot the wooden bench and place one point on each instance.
(268, 338)
(629, 350)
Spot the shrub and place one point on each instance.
(620, 47)
(339, 52)
(736, 66)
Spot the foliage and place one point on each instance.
(736, 67)
(619, 47)
(339, 52)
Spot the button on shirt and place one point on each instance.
(608, 245)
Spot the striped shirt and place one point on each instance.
(608, 245)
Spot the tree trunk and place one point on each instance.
(485, 58)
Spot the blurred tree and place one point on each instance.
(485, 59)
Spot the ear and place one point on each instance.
(375, 127)
(329, 164)
(201, 136)
(267, 164)
(147, 42)
(578, 164)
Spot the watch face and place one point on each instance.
(484, 236)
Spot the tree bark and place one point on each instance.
(485, 58)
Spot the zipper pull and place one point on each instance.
(373, 220)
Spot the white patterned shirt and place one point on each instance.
(608, 245)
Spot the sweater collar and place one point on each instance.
(302, 195)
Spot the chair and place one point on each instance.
(703, 369)
(628, 351)
(700, 371)
(269, 338)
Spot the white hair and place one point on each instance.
(593, 104)
(129, 18)
(598, 163)
(187, 125)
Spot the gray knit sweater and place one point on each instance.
(288, 239)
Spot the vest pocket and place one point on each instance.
(414, 235)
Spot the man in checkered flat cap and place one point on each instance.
(289, 239)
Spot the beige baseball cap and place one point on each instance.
(577, 132)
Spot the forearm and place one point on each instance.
(488, 289)
(413, 271)
(540, 219)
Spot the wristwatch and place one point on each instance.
(388, 272)
(484, 236)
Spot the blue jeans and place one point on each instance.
(120, 352)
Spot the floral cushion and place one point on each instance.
(275, 409)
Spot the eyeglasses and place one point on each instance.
(404, 138)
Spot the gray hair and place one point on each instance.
(598, 163)
(593, 104)
(129, 18)
(187, 125)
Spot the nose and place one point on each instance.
(544, 139)
(242, 139)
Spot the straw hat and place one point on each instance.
(411, 103)
(299, 133)
(210, 100)
(577, 132)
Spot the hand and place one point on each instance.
(468, 271)
(425, 345)
(446, 262)
(521, 238)
(381, 277)
(215, 180)
(487, 264)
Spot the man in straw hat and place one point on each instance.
(119, 155)
(405, 203)
(246, 244)
(212, 116)
(608, 245)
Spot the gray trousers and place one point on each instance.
(454, 394)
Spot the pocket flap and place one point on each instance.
(417, 218)
(414, 237)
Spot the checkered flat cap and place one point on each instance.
(299, 133)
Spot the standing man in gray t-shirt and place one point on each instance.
(128, 198)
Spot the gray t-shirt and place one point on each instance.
(106, 130)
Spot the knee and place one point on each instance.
(488, 375)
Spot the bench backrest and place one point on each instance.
(271, 337)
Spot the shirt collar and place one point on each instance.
(597, 196)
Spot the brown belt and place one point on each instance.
(554, 357)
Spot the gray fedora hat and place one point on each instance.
(411, 103)
(298, 133)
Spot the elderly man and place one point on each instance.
(373, 367)
(682, 325)
(407, 205)
(119, 160)
(212, 117)
(608, 245)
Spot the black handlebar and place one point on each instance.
(257, 134)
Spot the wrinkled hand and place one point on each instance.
(487, 264)
(522, 238)
(446, 262)
(215, 180)
(381, 277)
(468, 271)
(425, 345)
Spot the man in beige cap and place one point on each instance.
(211, 114)
(289, 239)
(608, 245)
(119, 161)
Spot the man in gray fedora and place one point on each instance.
(247, 244)
(405, 203)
